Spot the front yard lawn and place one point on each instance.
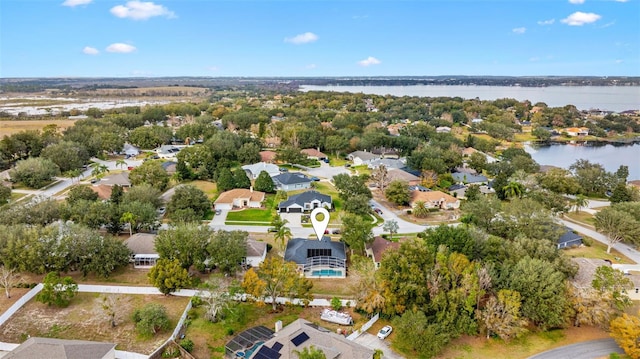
(254, 214)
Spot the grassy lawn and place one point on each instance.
(11, 127)
(524, 137)
(255, 215)
(210, 338)
(479, 347)
(209, 188)
(583, 217)
(16, 196)
(85, 319)
(597, 250)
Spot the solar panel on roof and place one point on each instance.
(277, 346)
(300, 338)
(266, 353)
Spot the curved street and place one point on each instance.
(592, 349)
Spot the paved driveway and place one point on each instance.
(587, 350)
(326, 171)
(372, 342)
(295, 219)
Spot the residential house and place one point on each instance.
(318, 258)
(476, 120)
(239, 198)
(143, 251)
(103, 191)
(305, 201)
(313, 154)
(362, 157)
(389, 163)
(253, 170)
(468, 178)
(295, 337)
(256, 253)
(569, 239)
(457, 190)
(291, 181)
(377, 248)
(167, 151)
(443, 129)
(170, 167)
(577, 131)
(435, 199)
(121, 179)
(384, 152)
(400, 174)
(267, 156)
(130, 150)
(50, 348)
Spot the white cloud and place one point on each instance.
(621, 0)
(74, 3)
(519, 30)
(534, 59)
(369, 61)
(580, 18)
(311, 66)
(619, 61)
(120, 48)
(138, 10)
(90, 50)
(546, 22)
(305, 38)
(576, 1)
(213, 68)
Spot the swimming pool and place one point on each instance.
(249, 352)
(326, 273)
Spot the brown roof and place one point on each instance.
(142, 243)
(379, 246)
(60, 349)
(255, 248)
(103, 191)
(229, 196)
(635, 183)
(267, 156)
(313, 153)
(432, 196)
(398, 174)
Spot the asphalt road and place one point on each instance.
(372, 342)
(593, 349)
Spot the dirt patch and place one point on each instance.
(85, 319)
(434, 218)
(16, 293)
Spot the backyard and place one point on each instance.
(85, 319)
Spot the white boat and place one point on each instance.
(336, 317)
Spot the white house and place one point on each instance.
(239, 198)
(167, 151)
(256, 253)
(130, 150)
(362, 157)
(253, 171)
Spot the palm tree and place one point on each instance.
(98, 169)
(513, 189)
(121, 162)
(282, 232)
(580, 202)
(420, 209)
(128, 217)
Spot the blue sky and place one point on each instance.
(95, 38)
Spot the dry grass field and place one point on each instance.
(85, 319)
(163, 91)
(9, 127)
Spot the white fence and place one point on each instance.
(19, 303)
(364, 327)
(176, 331)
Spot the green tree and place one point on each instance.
(78, 193)
(592, 177)
(351, 186)
(67, 155)
(116, 194)
(477, 161)
(621, 193)
(513, 189)
(121, 163)
(264, 183)
(356, 232)
(5, 194)
(615, 283)
(56, 290)
(392, 227)
(186, 242)
(151, 319)
(143, 193)
(310, 352)
(617, 226)
(225, 180)
(240, 179)
(227, 249)
(276, 278)
(580, 202)
(34, 172)
(398, 192)
(249, 153)
(151, 173)
(358, 204)
(130, 219)
(188, 197)
(472, 192)
(98, 169)
(501, 315)
(150, 137)
(168, 276)
(559, 180)
(198, 160)
(282, 233)
(414, 332)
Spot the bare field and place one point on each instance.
(149, 91)
(9, 127)
(85, 319)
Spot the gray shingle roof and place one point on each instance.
(291, 178)
(297, 249)
(305, 197)
(60, 349)
(468, 178)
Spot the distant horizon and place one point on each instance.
(407, 77)
(318, 38)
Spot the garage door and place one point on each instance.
(295, 210)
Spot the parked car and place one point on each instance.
(272, 229)
(377, 210)
(325, 160)
(283, 169)
(218, 212)
(162, 210)
(385, 331)
(314, 179)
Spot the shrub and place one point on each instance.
(151, 319)
(187, 344)
(336, 303)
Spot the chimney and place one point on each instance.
(251, 189)
(278, 326)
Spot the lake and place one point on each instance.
(608, 155)
(610, 98)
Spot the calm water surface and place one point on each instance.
(609, 156)
(611, 98)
